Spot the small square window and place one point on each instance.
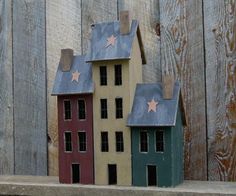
(103, 75)
(68, 142)
(104, 142)
(82, 141)
(67, 110)
(103, 103)
(119, 108)
(82, 109)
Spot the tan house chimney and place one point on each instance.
(66, 59)
(124, 22)
(168, 83)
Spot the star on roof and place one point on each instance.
(111, 41)
(75, 76)
(152, 105)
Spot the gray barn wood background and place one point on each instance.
(193, 39)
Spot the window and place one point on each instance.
(119, 142)
(68, 142)
(159, 141)
(119, 108)
(104, 142)
(103, 75)
(67, 110)
(81, 108)
(103, 108)
(82, 141)
(118, 75)
(143, 141)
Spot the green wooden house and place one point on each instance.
(157, 136)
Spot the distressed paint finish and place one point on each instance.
(220, 39)
(182, 55)
(95, 11)
(85, 159)
(162, 160)
(29, 87)
(131, 74)
(147, 13)
(63, 31)
(6, 92)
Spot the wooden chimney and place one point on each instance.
(168, 83)
(66, 59)
(124, 22)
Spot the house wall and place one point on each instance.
(177, 141)
(85, 159)
(111, 124)
(163, 161)
(110, 92)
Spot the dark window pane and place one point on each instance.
(118, 75)
(104, 142)
(119, 142)
(103, 108)
(82, 141)
(119, 108)
(143, 141)
(103, 75)
(68, 143)
(81, 107)
(159, 141)
(67, 110)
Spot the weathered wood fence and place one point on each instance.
(193, 39)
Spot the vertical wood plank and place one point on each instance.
(29, 87)
(63, 31)
(6, 97)
(182, 55)
(96, 11)
(220, 39)
(147, 13)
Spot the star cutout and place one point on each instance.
(75, 76)
(111, 41)
(152, 105)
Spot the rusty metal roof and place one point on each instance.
(166, 110)
(101, 32)
(64, 84)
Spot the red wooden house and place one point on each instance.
(73, 87)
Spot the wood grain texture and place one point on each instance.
(6, 97)
(147, 13)
(182, 55)
(29, 87)
(95, 11)
(220, 39)
(63, 31)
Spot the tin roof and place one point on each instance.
(76, 81)
(166, 109)
(100, 50)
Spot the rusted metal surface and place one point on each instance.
(182, 55)
(6, 91)
(220, 39)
